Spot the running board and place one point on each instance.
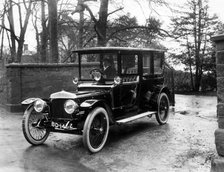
(132, 118)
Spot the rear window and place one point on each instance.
(158, 62)
(147, 64)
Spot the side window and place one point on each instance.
(129, 64)
(147, 58)
(158, 62)
(109, 66)
(88, 62)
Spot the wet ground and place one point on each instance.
(186, 143)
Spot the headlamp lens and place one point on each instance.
(39, 105)
(70, 106)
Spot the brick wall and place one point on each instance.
(36, 80)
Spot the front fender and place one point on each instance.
(88, 103)
(92, 103)
(29, 101)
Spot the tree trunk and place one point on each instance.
(43, 48)
(37, 38)
(101, 25)
(81, 24)
(12, 36)
(198, 47)
(52, 10)
(198, 80)
(190, 63)
(192, 79)
(20, 50)
(2, 41)
(22, 33)
(1, 51)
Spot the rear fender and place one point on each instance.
(169, 94)
(157, 91)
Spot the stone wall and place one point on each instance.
(219, 40)
(36, 80)
(218, 162)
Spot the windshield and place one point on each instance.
(105, 63)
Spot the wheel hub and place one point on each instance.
(100, 130)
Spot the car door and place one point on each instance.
(152, 77)
(130, 81)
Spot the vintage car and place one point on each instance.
(114, 85)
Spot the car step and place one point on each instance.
(132, 118)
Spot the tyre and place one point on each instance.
(32, 131)
(96, 130)
(162, 114)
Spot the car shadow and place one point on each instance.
(118, 133)
(65, 153)
(46, 158)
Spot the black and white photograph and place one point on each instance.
(111, 86)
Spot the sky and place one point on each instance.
(164, 14)
(216, 6)
(141, 12)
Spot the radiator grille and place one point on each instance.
(57, 109)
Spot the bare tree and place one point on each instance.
(193, 30)
(100, 23)
(16, 42)
(39, 17)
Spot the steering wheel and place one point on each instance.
(96, 70)
(96, 74)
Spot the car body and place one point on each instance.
(134, 87)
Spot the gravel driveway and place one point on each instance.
(186, 143)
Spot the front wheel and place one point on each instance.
(34, 133)
(162, 114)
(96, 130)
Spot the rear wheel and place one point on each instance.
(34, 133)
(96, 130)
(162, 114)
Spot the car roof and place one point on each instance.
(116, 49)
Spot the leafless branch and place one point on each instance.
(119, 9)
(7, 34)
(24, 2)
(122, 40)
(127, 28)
(12, 32)
(20, 16)
(90, 13)
(90, 39)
